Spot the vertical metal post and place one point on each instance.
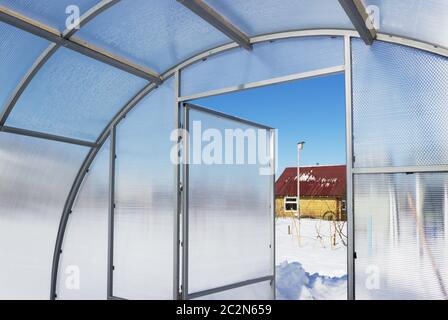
(350, 160)
(110, 245)
(185, 191)
(272, 145)
(298, 181)
(177, 188)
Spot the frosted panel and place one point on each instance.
(36, 176)
(74, 96)
(145, 199)
(265, 61)
(83, 267)
(230, 220)
(399, 106)
(424, 20)
(257, 291)
(401, 236)
(156, 33)
(18, 51)
(256, 17)
(50, 12)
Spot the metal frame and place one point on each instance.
(79, 179)
(401, 169)
(273, 154)
(259, 39)
(218, 114)
(177, 191)
(186, 107)
(207, 13)
(185, 201)
(357, 14)
(230, 287)
(111, 216)
(47, 136)
(197, 59)
(263, 83)
(46, 55)
(349, 166)
(65, 39)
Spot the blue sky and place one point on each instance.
(312, 110)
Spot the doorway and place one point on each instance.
(311, 245)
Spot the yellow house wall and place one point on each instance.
(310, 207)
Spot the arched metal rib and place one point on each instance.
(201, 56)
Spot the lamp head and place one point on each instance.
(300, 145)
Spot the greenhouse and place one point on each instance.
(101, 196)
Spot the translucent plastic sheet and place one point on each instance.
(74, 96)
(18, 51)
(50, 12)
(82, 270)
(256, 17)
(401, 236)
(424, 20)
(230, 219)
(399, 106)
(36, 176)
(266, 61)
(145, 199)
(156, 33)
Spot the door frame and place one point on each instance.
(184, 116)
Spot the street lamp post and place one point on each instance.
(299, 149)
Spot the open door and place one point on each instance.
(228, 237)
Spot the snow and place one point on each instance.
(312, 268)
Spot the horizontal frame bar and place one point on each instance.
(19, 21)
(189, 106)
(208, 14)
(115, 298)
(357, 14)
(47, 136)
(263, 83)
(402, 169)
(229, 287)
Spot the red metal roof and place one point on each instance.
(328, 181)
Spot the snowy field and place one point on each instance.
(314, 266)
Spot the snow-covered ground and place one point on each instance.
(311, 267)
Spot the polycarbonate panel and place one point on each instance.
(424, 20)
(82, 270)
(156, 33)
(74, 96)
(145, 200)
(18, 51)
(399, 106)
(265, 61)
(36, 176)
(401, 236)
(230, 219)
(53, 13)
(256, 291)
(256, 17)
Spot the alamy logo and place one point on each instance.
(73, 19)
(234, 146)
(373, 277)
(72, 281)
(373, 17)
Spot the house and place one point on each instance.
(322, 192)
